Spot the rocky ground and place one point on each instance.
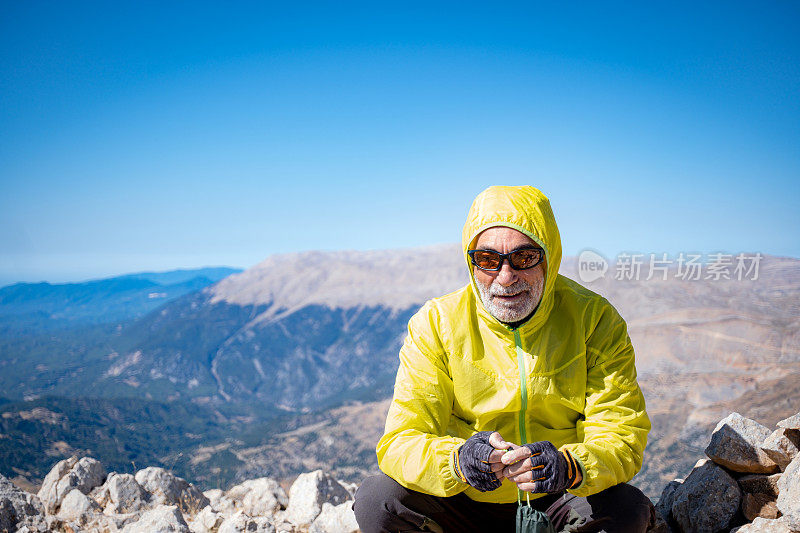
(749, 483)
(78, 495)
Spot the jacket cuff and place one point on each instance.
(577, 459)
(451, 461)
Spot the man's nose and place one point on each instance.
(506, 275)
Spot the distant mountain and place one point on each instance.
(709, 325)
(32, 307)
(174, 277)
(296, 332)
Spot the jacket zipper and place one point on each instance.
(524, 386)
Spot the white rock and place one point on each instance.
(100, 494)
(282, 525)
(101, 523)
(124, 494)
(169, 489)
(736, 445)
(213, 494)
(83, 474)
(119, 521)
(765, 525)
(793, 422)
(240, 522)
(309, 492)
(30, 529)
(259, 497)
(220, 502)
(335, 519)
(47, 492)
(162, 519)
(76, 506)
(789, 494)
(780, 448)
(206, 521)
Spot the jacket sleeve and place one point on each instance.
(415, 450)
(613, 432)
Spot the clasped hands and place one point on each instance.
(486, 458)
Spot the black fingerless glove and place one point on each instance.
(553, 471)
(471, 462)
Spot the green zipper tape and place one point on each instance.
(523, 381)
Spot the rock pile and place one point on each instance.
(750, 482)
(78, 496)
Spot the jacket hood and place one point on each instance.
(525, 209)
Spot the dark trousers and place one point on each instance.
(383, 505)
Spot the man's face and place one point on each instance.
(509, 295)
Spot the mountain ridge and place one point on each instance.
(43, 306)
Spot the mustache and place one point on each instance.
(511, 290)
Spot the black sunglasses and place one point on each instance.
(520, 259)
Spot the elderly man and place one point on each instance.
(519, 387)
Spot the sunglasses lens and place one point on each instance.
(522, 259)
(486, 259)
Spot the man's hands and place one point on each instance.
(478, 461)
(540, 467)
(486, 458)
(474, 460)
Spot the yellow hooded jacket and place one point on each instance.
(566, 375)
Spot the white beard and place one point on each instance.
(509, 312)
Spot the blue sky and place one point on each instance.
(138, 136)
